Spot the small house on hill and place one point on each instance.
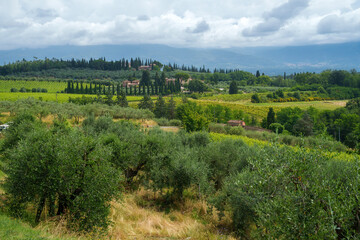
(146, 67)
(236, 123)
(128, 83)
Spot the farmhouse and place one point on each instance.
(235, 123)
(168, 80)
(145, 68)
(130, 83)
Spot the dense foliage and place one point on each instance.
(284, 192)
(342, 124)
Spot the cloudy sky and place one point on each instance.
(183, 23)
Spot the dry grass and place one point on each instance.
(145, 123)
(170, 129)
(132, 221)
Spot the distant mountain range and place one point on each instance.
(271, 60)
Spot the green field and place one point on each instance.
(51, 86)
(234, 102)
(229, 97)
(59, 97)
(260, 110)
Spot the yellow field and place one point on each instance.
(260, 110)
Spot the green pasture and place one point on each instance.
(229, 97)
(59, 97)
(51, 86)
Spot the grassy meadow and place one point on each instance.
(54, 97)
(260, 110)
(51, 86)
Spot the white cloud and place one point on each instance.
(192, 23)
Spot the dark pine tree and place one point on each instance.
(160, 107)
(270, 117)
(233, 89)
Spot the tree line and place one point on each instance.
(147, 86)
(342, 124)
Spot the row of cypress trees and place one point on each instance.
(100, 88)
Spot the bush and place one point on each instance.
(236, 131)
(175, 122)
(217, 128)
(292, 194)
(162, 121)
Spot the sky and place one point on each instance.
(181, 23)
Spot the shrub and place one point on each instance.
(175, 122)
(162, 121)
(236, 131)
(217, 128)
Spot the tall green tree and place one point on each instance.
(160, 107)
(270, 117)
(121, 99)
(146, 103)
(171, 109)
(145, 78)
(197, 86)
(192, 116)
(233, 88)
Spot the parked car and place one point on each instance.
(4, 126)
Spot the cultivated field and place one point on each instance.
(51, 86)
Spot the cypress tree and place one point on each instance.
(177, 86)
(157, 79)
(156, 88)
(91, 92)
(121, 99)
(233, 89)
(130, 90)
(171, 108)
(86, 90)
(146, 103)
(118, 89)
(77, 87)
(270, 117)
(82, 88)
(72, 87)
(68, 89)
(160, 107)
(162, 79)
